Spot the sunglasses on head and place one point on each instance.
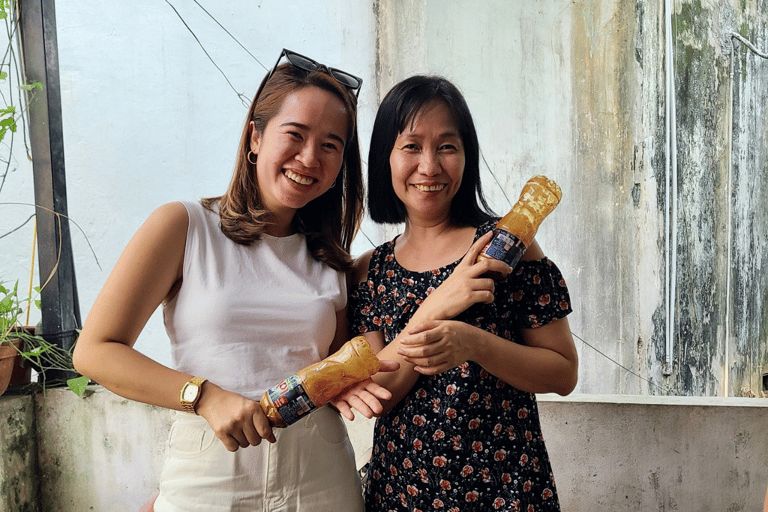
(300, 61)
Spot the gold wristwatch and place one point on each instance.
(190, 394)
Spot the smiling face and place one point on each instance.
(300, 152)
(427, 163)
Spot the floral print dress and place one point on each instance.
(463, 440)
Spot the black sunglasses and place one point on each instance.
(300, 61)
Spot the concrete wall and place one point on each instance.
(664, 251)
(633, 453)
(609, 453)
(18, 455)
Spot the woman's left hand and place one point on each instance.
(437, 346)
(365, 396)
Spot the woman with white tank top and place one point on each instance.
(253, 289)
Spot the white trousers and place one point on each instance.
(310, 468)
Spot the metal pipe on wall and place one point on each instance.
(670, 258)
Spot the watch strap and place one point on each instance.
(187, 405)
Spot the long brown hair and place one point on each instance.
(329, 222)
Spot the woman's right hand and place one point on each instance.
(465, 286)
(237, 421)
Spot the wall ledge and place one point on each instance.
(697, 401)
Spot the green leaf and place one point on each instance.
(78, 384)
(8, 124)
(38, 350)
(31, 85)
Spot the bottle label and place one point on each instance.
(290, 399)
(505, 246)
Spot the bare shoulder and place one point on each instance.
(162, 238)
(170, 217)
(533, 252)
(360, 270)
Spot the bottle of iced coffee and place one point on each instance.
(318, 383)
(514, 232)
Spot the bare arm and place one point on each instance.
(145, 274)
(464, 288)
(546, 362)
(142, 278)
(366, 396)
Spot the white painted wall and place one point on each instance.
(148, 119)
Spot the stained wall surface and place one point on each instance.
(664, 251)
(662, 230)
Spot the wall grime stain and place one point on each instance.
(604, 43)
(701, 206)
(749, 222)
(18, 480)
(619, 101)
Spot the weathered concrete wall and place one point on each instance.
(609, 453)
(632, 453)
(101, 452)
(576, 90)
(722, 187)
(748, 182)
(18, 455)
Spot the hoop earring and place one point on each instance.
(248, 157)
(341, 175)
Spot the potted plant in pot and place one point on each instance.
(21, 349)
(10, 346)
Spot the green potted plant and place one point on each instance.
(20, 347)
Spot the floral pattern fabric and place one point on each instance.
(463, 440)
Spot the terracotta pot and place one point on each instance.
(9, 360)
(20, 368)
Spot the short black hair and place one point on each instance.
(399, 107)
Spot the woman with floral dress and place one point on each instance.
(461, 432)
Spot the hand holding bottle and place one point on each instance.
(468, 284)
(317, 384)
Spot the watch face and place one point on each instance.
(190, 392)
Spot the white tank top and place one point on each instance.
(247, 317)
